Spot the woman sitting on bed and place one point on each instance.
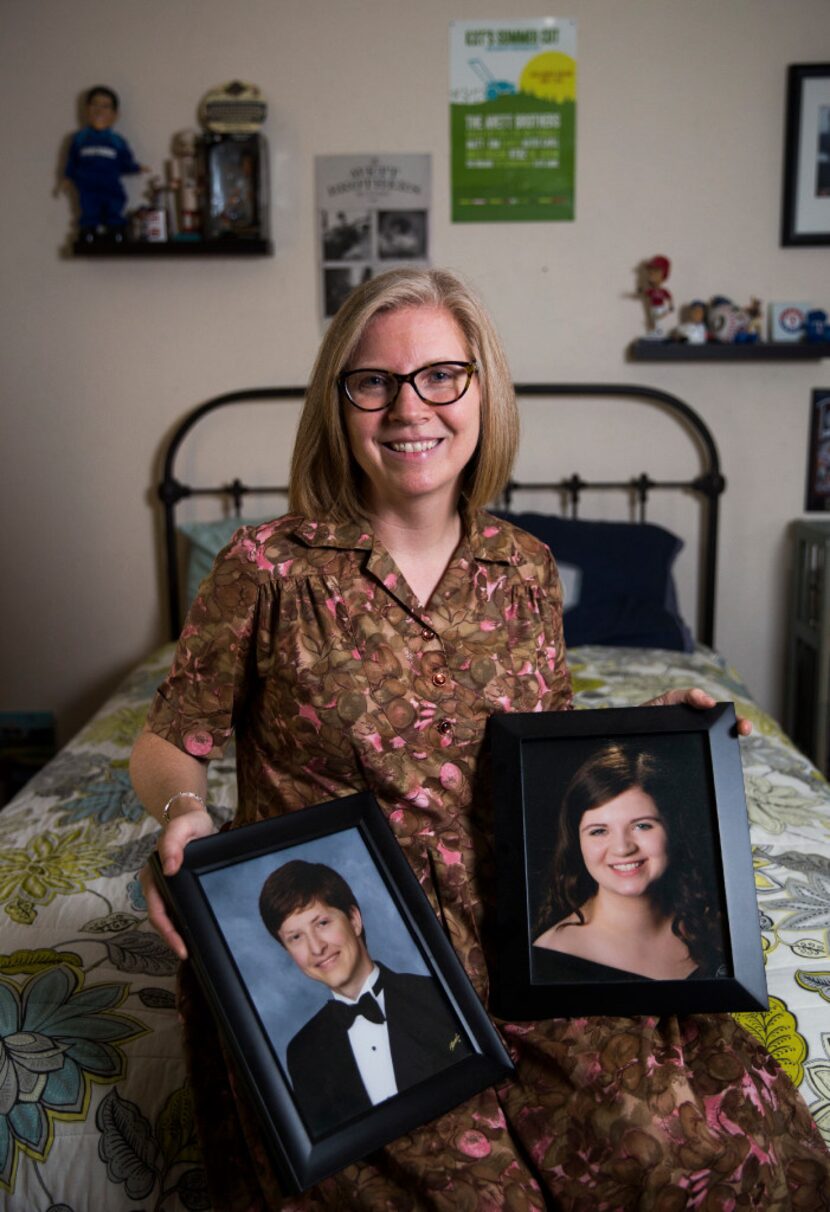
(627, 893)
(361, 644)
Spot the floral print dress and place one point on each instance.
(307, 643)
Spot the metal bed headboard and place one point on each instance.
(707, 486)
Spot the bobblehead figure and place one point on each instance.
(98, 159)
(380, 1032)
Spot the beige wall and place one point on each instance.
(679, 151)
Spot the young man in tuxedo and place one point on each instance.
(380, 1032)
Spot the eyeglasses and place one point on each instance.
(439, 383)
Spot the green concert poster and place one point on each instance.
(512, 120)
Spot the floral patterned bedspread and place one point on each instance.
(94, 1109)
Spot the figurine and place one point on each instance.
(693, 330)
(816, 327)
(155, 221)
(184, 180)
(98, 159)
(755, 314)
(731, 324)
(657, 297)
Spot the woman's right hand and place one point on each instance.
(172, 841)
(169, 783)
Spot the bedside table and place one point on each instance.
(807, 682)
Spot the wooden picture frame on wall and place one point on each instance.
(806, 203)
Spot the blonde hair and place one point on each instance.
(325, 479)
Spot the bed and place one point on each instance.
(95, 1108)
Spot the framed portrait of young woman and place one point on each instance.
(625, 880)
(349, 1017)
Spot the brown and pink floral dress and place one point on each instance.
(308, 644)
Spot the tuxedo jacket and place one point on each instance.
(424, 1038)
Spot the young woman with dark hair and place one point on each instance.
(629, 892)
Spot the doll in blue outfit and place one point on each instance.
(98, 159)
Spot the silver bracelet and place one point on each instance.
(180, 795)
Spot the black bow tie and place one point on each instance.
(367, 1006)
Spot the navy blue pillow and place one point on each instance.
(625, 594)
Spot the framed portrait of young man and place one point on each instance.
(625, 880)
(350, 1019)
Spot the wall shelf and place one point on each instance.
(175, 248)
(771, 351)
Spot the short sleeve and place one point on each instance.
(196, 706)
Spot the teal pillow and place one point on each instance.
(206, 540)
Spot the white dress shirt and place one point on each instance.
(370, 1045)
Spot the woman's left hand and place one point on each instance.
(693, 696)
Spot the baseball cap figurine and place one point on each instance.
(656, 296)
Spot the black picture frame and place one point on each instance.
(806, 203)
(251, 982)
(817, 491)
(534, 758)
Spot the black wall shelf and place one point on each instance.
(769, 351)
(174, 248)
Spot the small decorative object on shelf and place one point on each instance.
(184, 180)
(98, 159)
(816, 327)
(692, 327)
(807, 682)
(213, 197)
(150, 222)
(656, 297)
(235, 167)
(787, 320)
(729, 323)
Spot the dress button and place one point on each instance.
(445, 726)
(438, 679)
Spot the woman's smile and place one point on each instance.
(413, 451)
(413, 448)
(624, 843)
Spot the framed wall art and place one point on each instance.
(625, 872)
(817, 494)
(806, 203)
(349, 1017)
